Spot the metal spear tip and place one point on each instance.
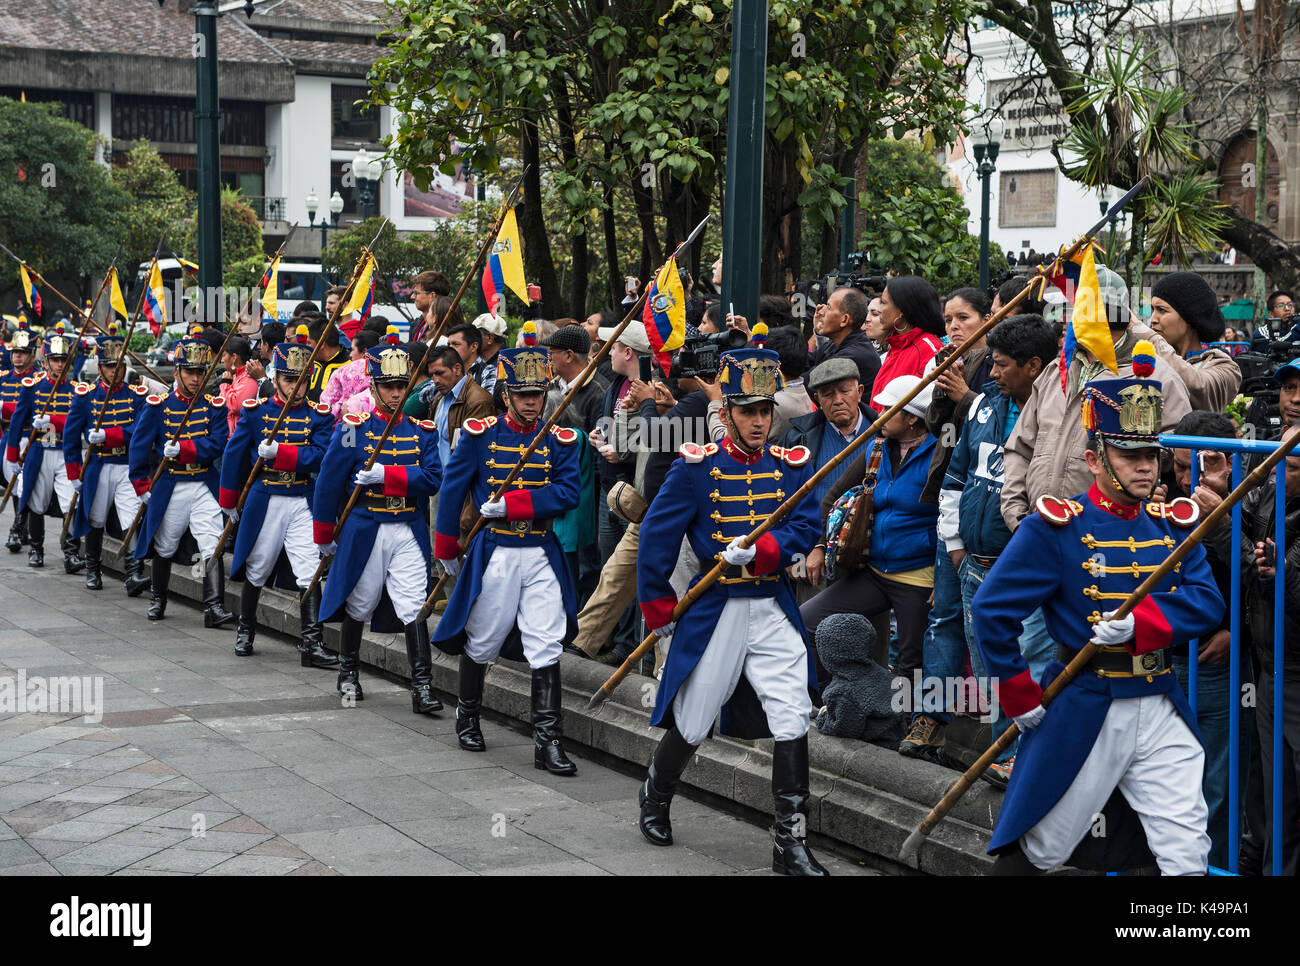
(597, 699)
(910, 853)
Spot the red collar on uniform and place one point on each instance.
(181, 396)
(380, 413)
(517, 427)
(1103, 502)
(117, 388)
(739, 455)
(278, 400)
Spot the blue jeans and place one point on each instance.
(1213, 699)
(1036, 645)
(943, 651)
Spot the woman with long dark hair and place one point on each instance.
(914, 328)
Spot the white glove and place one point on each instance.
(231, 512)
(1031, 719)
(369, 477)
(171, 449)
(327, 549)
(42, 422)
(493, 509)
(10, 469)
(266, 450)
(451, 566)
(666, 631)
(736, 555)
(96, 436)
(76, 484)
(22, 447)
(1112, 633)
(144, 497)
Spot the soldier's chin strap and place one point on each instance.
(734, 435)
(1114, 480)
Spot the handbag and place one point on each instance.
(848, 525)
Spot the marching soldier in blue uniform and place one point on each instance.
(741, 649)
(21, 365)
(277, 514)
(1123, 723)
(46, 488)
(104, 480)
(381, 561)
(515, 596)
(186, 495)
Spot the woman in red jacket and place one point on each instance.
(913, 321)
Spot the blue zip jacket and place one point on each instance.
(970, 503)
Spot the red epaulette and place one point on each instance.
(564, 435)
(1179, 511)
(1057, 511)
(795, 456)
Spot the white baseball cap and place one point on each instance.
(488, 322)
(899, 387)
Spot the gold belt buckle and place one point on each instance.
(1144, 664)
(395, 502)
(521, 527)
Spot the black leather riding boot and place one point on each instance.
(94, 555)
(36, 534)
(162, 576)
(136, 580)
(72, 562)
(350, 659)
(1013, 861)
(16, 533)
(214, 595)
(423, 700)
(246, 630)
(548, 753)
(790, 854)
(656, 794)
(311, 649)
(469, 704)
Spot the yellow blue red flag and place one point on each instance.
(32, 296)
(155, 300)
(271, 293)
(115, 298)
(505, 265)
(664, 314)
(363, 295)
(1089, 327)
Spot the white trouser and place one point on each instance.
(51, 480)
(753, 637)
(287, 524)
(114, 484)
(191, 505)
(396, 562)
(688, 565)
(1148, 751)
(518, 586)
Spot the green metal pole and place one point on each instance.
(742, 219)
(207, 116)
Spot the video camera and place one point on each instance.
(865, 276)
(701, 355)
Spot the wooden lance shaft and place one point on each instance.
(207, 377)
(59, 380)
(545, 429)
(291, 401)
(911, 847)
(432, 341)
(780, 513)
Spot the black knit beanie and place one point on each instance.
(1195, 301)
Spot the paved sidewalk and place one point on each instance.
(206, 763)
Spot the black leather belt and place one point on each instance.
(1117, 662)
(283, 476)
(115, 451)
(522, 528)
(391, 504)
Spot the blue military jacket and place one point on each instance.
(11, 387)
(121, 407)
(1079, 559)
(712, 495)
(547, 486)
(303, 436)
(34, 392)
(202, 439)
(412, 474)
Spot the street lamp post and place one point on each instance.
(367, 170)
(987, 142)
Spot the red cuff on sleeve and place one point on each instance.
(11, 454)
(519, 505)
(445, 547)
(7, 410)
(58, 420)
(767, 555)
(286, 458)
(322, 532)
(188, 453)
(73, 470)
(227, 499)
(658, 612)
(395, 480)
(1151, 632)
(141, 486)
(1019, 694)
(114, 437)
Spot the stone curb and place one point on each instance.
(863, 796)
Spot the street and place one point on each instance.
(207, 763)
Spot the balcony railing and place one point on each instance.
(267, 208)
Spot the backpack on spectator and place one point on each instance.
(848, 525)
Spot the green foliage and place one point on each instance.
(59, 209)
(245, 273)
(449, 248)
(241, 232)
(159, 202)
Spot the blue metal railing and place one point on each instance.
(1238, 447)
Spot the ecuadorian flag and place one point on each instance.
(155, 300)
(665, 314)
(115, 298)
(271, 293)
(505, 265)
(1089, 328)
(363, 295)
(32, 296)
